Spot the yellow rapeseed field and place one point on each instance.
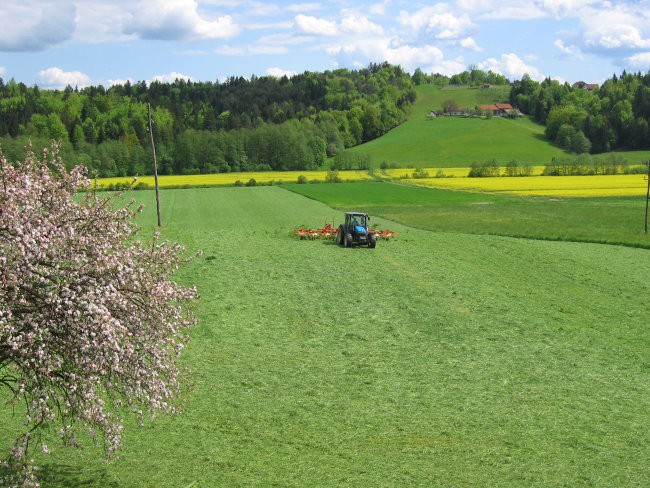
(561, 186)
(408, 172)
(228, 179)
(401, 173)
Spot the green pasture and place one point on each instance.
(614, 220)
(432, 97)
(458, 142)
(436, 359)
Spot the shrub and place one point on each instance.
(333, 177)
(389, 165)
(515, 168)
(351, 160)
(420, 173)
(483, 170)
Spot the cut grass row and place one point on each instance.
(437, 359)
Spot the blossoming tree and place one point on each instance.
(90, 321)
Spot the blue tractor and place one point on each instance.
(355, 232)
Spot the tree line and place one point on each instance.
(270, 123)
(201, 127)
(614, 116)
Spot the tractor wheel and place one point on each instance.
(345, 240)
(372, 244)
(339, 235)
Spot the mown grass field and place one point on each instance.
(437, 359)
(614, 220)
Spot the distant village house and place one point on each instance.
(498, 109)
(581, 85)
(494, 110)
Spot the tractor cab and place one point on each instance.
(355, 230)
(357, 221)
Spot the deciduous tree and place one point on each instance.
(91, 323)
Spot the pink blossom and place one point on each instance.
(89, 317)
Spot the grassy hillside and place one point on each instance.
(457, 142)
(437, 359)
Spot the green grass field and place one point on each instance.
(436, 359)
(458, 142)
(613, 220)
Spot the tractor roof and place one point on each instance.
(356, 213)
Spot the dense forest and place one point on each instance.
(614, 116)
(261, 123)
(265, 123)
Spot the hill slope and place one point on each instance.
(455, 141)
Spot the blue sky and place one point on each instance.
(55, 43)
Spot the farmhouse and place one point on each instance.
(456, 111)
(585, 86)
(498, 109)
(495, 110)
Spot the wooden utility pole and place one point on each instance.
(155, 166)
(647, 197)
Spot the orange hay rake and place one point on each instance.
(384, 234)
(329, 232)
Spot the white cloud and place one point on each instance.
(639, 60)
(279, 72)
(120, 81)
(259, 9)
(429, 58)
(470, 43)
(437, 21)
(57, 78)
(618, 36)
(517, 11)
(313, 25)
(30, 26)
(101, 22)
(177, 20)
(362, 51)
(624, 27)
(564, 8)
(379, 8)
(570, 51)
(528, 10)
(3, 70)
(511, 66)
(171, 77)
(358, 24)
(283, 25)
